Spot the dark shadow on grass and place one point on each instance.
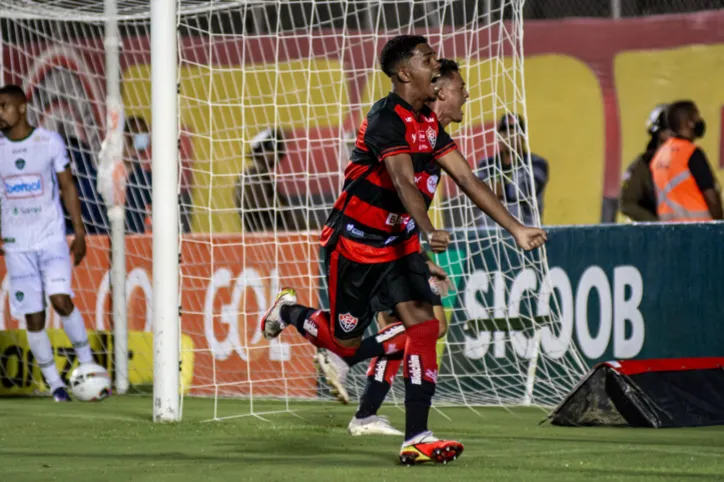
(302, 446)
(362, 458)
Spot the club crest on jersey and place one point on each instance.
(347, 322)
(19, 295)
(431, 136)
(20, 164)
(432, 184)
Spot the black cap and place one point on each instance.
(510, 122)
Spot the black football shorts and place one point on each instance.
(358, 291)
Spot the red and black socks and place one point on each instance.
(380, 375)
(420, 372)
(316, 326)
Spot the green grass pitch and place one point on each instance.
(116, 441)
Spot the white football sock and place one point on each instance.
(75, 329)
(43, 353)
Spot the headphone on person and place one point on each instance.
(657, 120)
(266, 141)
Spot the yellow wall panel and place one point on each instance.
(223, 108)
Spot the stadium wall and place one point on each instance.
(590, 85)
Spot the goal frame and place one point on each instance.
(165, 211)
(162, 31)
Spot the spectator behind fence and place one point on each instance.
(255, 195)
(137, 142)
(508, 176)
(93, 209)
(638, 195)
(686, 190)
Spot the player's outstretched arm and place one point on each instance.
(457, 167)
(402, 175)
(69, 195)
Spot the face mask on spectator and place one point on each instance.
(141, 141)
(699, 128)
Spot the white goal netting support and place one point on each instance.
(270, 94)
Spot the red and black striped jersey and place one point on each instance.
(369, 219)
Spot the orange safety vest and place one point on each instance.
(678, 198)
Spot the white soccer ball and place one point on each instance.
(90, 383)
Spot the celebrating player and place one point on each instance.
(35, 174)
(451, 96)
(372, 245)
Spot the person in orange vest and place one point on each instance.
(638, 194)
(686, 190)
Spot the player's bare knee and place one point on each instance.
(415, 312)
(35, 321)
(62, 304)
(440, 315)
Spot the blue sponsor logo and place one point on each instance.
(410, 225)
(355, 231)
(25, 186)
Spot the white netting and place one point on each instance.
(308, 72)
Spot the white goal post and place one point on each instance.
(165, 214)
(200, 253)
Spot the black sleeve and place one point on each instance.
(443, 143)
(700, 170)
(385, 135)
(540, 173)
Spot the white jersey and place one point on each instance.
(32, 217)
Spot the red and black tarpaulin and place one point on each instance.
(671, 392)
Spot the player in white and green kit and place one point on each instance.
(36, 175)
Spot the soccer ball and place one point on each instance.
(90, 383)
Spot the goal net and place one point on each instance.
(270, 94)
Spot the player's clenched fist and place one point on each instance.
(438, 240)
(530, 238)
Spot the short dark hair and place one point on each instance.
(678, 113)
(511, 122)
(133, 122)
(398, 49)
(448, 68)
(14, 90)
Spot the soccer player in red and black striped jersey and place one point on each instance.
(371, 240)
(451, 97)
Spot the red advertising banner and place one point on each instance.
(228, 283)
